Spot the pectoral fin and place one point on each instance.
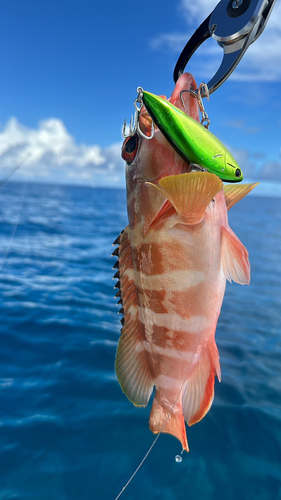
(190, 193)
(234, 193)
(235, 258)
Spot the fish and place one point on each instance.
(193, 142)
(173, 261)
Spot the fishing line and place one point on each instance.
(158, 435)
(14, 231)
(153, 444)
(13, 171)
(184, 381)
(2, 183)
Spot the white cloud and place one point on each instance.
(271, 170)
(50, 153)
(256, 165)
(171, 41)
(55, 156)
(196, 11)
(262, 61)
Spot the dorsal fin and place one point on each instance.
(234, 193)
(190, 193)
(131, 365)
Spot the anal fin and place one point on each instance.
(199, 391)
(131, 365)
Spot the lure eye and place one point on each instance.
(129, 148)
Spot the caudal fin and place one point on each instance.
(195, 400)
(163, 420)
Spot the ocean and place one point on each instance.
(67, 432)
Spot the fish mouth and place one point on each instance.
(185, 102)
(169, 116)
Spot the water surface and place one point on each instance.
(67, 431)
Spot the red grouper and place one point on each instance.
(174, 258)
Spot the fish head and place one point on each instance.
(151, 160)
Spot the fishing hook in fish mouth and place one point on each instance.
(135, 123)
(202, 91)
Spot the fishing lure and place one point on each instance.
(194, 143)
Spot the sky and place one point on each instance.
(69, 73)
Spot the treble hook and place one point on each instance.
(201, 91)
(135, 125)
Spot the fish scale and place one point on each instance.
(174, 258)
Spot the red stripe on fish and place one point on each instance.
(153, 300)
(174, 258)
(165, 256)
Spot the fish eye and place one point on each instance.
(129, 148)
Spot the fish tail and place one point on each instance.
(167, 420)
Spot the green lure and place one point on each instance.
(192, 141)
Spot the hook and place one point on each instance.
(135, 124)
(202, 91)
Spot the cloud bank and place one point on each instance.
(49, 153)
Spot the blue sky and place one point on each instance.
(69, 73)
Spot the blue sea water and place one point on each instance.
(67, 432)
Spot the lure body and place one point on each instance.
(191, 140)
